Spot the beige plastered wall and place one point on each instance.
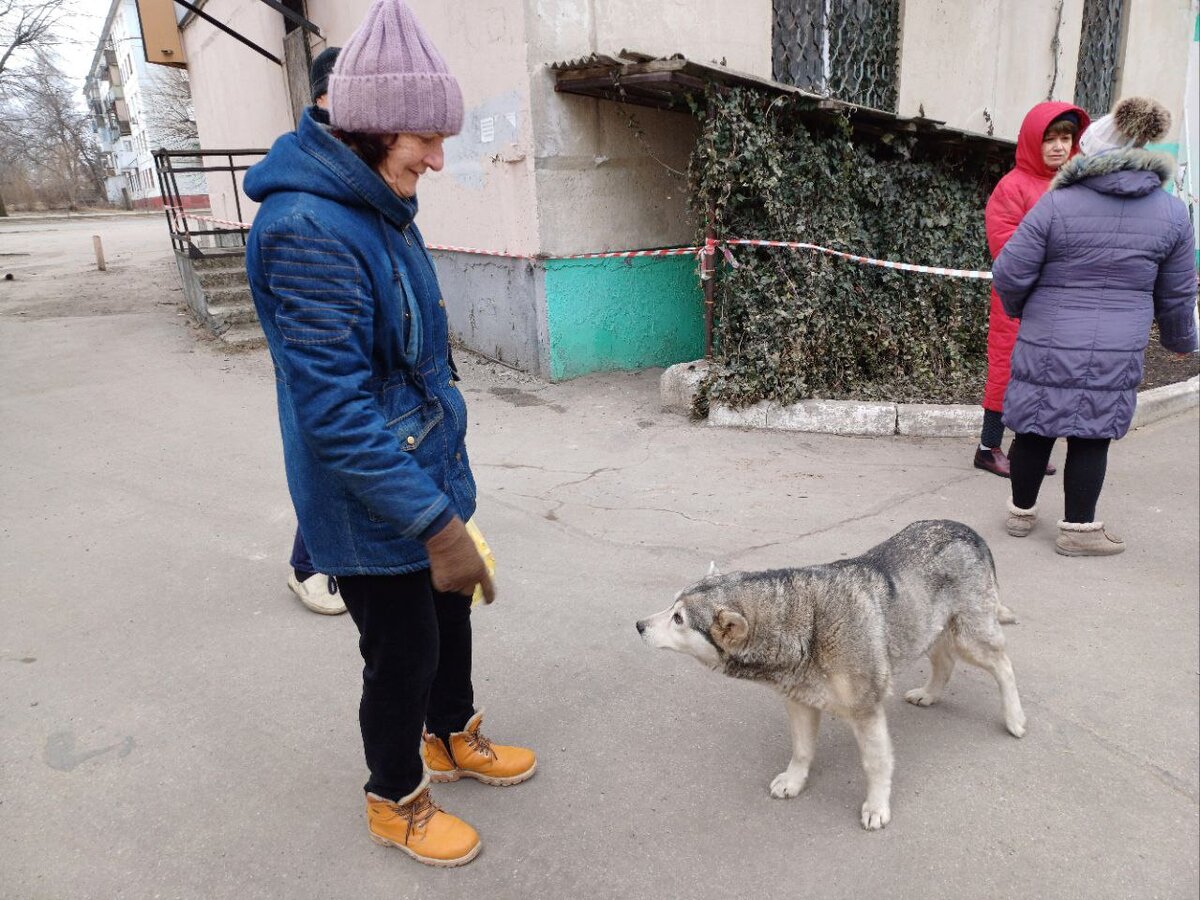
(969, 63)
(483, 198)
(984, 63)
(240, 97)
(1158, 36)
(613, 176)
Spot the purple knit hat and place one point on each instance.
(390, 78)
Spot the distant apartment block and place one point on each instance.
(137, 108)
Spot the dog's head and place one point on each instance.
(701, 623)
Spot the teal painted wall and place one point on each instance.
(610, 314)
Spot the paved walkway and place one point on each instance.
(173, 724)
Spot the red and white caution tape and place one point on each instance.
(183, 213)
(865, 260)
(710, 247)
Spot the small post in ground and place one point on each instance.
(99, 248)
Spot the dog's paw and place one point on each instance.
(1016, 725)
(921, 697)
(787, 784)
(875, 818)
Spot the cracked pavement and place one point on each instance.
(173, 723)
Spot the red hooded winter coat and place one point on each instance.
(1013, 197)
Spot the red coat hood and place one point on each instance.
(1033, 129)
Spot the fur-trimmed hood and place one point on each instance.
(1109, 167)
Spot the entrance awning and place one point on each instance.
(676, 83)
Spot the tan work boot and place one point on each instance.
(1020, 521)
(473, 755)
(1087, 539)
(422, 829)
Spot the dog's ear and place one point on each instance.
(729, 629)
(712, 569)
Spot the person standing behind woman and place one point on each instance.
(1049, 136)
(1104, 253)
(316, 590)
(373, 423)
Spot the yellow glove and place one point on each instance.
(489, 558)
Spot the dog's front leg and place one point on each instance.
(805, 722)
(876, 749)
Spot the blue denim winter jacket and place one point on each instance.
(373, 423)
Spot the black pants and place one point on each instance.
(1083, 477)
(416, 649)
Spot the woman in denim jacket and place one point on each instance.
(373, 423)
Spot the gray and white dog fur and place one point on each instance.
(827, 637)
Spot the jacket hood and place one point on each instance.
(311, 160)
(1128, 173)
(1033, 128)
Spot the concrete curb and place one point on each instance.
(851, 417)
(1168, 400)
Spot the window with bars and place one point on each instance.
(846, 49)
(1099, 55)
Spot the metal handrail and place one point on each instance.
(182, 233)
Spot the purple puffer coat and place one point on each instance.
(1104, 252)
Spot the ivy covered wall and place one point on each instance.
(796, 324)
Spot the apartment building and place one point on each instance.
(137, 108)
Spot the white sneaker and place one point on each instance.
(319, 593)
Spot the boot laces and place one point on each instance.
(418, 812)
(479, 743)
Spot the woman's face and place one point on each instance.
(1056, 149)
(409, 157)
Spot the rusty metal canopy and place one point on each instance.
(675, 83)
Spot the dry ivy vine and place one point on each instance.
(796, 324)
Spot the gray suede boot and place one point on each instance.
(1087, 539)
(1020, 521)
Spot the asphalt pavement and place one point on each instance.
(173, 723)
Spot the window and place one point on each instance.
(1099, 55)
(844, 48)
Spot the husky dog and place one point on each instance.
(827, 636)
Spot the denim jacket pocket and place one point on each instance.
(414, 426)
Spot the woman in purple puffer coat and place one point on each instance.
(1103, 253)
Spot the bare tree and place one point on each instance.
(168, 107)
(27, 25)
(46, 140)
(28, 29)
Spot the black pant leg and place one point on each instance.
(1083, 477)
(398, 639)
(1027, 458)
(452, 697)
(992, 433)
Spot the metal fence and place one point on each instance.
(191, 231)
(1099, 55)
(846, 49)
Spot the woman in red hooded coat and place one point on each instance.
(1049, 137)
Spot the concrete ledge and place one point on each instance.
(1158, 403)
(938, 419)
(722, 416)
(677, 385)
(819, 416)
(835, 417)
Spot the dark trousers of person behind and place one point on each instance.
(416, 649)
(1083, 478)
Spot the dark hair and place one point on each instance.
(370, 148)
(1061, 126)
